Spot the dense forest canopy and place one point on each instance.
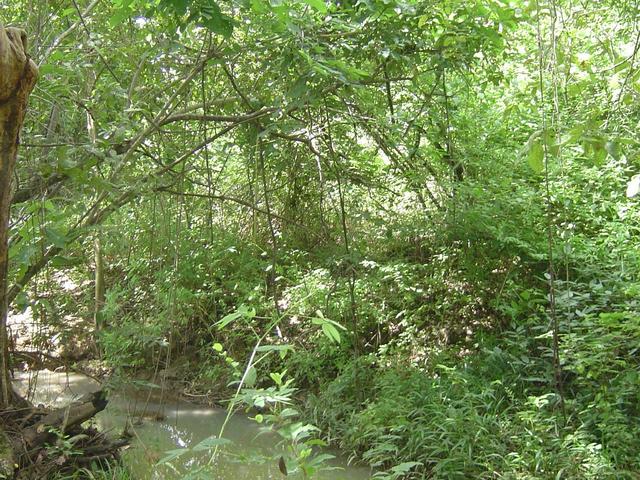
(413, 221)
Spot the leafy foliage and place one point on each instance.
(411, 224)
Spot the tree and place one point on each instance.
(18, 74)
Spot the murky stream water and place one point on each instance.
(250, 456)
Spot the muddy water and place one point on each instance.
(251, 455)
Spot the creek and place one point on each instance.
(173, 425)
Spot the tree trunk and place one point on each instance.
(18, 74)
(99, 283)
(99, 292)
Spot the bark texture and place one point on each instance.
(63, 419)
(18, 74)
(99, 293)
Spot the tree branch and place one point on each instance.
(95, 216)
(180, 117)
(239, 201)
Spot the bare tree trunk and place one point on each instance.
(99, 289)
(18, 74)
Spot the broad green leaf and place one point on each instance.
(331, 332)
(21, 301)
(220, 25)
(298, 89)
(276, 377)
(179, 7)
(289, 412)
(259, 6)
(22, 254)
(251, 377)
(535, 157)
(172, 455)
(119, 16)
(210, 443)
(329, 327)
(317, 4)
(55, 236)
(213, 19)
(612, 149)
(227, 319)
(61, 261)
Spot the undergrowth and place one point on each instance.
(493, 412)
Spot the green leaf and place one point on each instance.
(317, 4)
(61, 261)
(179, 7)
(119, 16)
(227, 319)
(212, 18)
(298, 89)
(251, 377)
(316, 442)
(535, 157)
(331, 332)
(320, 321)
(612, 149)
(210, 443)
(277, 378)
(172, 455)
(219, 25)
(405, 467)
(258, 6)
(22, 254)
(329, 327)
(55, 236)
(599, 155)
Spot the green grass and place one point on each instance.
(112, 472)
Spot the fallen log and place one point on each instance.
(36, 442)
(63, 419)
